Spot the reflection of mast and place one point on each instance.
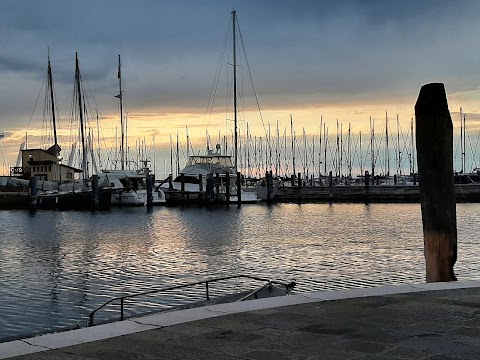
(80, 110)
(52, 100)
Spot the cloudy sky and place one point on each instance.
(345, 60)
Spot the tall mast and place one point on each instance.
(320, 150)
(234, 13)
(325, 137)
(399, 149)
(80, 110)
(412, 171)
(293, 144)
(372, 145)
(120, 97)
(464, 167)
(387, 154)
(52, 100)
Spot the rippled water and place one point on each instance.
(55, 267)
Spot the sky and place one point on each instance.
(348, 60)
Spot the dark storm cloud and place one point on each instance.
(300, 52)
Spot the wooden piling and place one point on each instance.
(367, 182)
(269, 184)
(95, 195)
(200, 182)
(217, 186)
(239, 187)
(227, 188)
(149, 181)
(292, 180)
(434, 142)
(330, 183)
(33, 193)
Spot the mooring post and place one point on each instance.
(239, 187)
(210, 186)
(217, 186)
(269, 186)
(95, 196)
(227, 188)
(330, 183)
(395, 179)
(200, 182)
(367, 182)
(33, 193)
(434, 141)
(182, 183)
(299, 180)
(292, 180)
(149, 181)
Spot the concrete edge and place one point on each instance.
(160, 320)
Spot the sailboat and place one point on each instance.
(213, 175)
(129, 187)
(56, 182)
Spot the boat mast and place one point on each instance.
(120, 97)
(52, 99)
(292, 135)
(80, 110)
(234, 13)
(387, 154)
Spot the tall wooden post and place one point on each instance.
(149, 181)
(239, 187)
(227, 188)
(367, 182)
(95, 195)
(434, 130)
(33, 193)
(330, 184)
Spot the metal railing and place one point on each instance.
(288, 287)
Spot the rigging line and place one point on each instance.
(251, 80)
(213, 91)
(36, 101)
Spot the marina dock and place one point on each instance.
(421, 321)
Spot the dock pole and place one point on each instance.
(239, 187)
(434, 142)
(33, 193)
(95, 196)
(227, 188)
(330, 183)
(149, 180)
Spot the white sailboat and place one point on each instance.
(129, 187)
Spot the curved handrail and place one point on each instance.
(91, 316)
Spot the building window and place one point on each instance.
(50, 168)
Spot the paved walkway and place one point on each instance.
(424, 321)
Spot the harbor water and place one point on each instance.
(56, 267)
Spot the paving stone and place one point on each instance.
(430, 325)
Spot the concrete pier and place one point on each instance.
(418, 321)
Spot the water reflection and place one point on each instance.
(55, 267)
